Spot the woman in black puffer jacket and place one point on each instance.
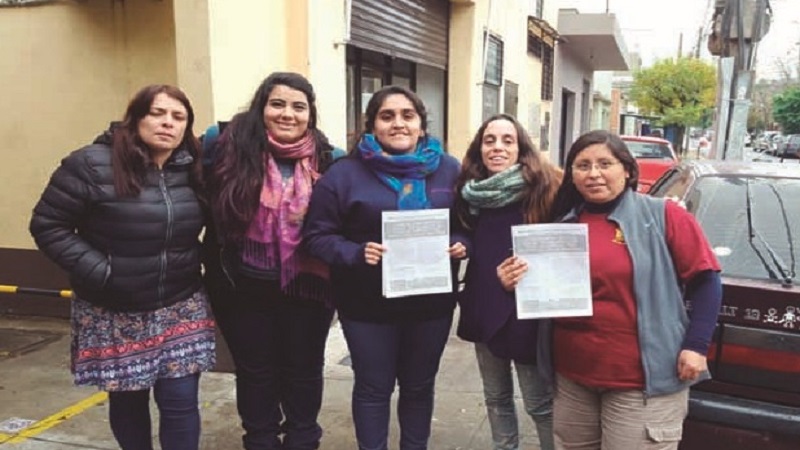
(122, 216)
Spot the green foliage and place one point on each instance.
(680, 91)
(786, 110)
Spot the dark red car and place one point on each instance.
(654, 157)
(751, 215)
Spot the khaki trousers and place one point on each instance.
(586, 418)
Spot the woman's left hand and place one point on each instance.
(457, 251)
(690, 365)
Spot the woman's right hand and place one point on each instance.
(511, 271)
(373, 252)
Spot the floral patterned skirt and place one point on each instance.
(129, 351)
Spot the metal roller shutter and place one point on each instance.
(415, 30)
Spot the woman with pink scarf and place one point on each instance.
(269, 296)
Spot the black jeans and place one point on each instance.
(278, 347)
(179, 418)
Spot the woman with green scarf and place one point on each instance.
(504, 181)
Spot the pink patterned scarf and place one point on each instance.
(274, 234)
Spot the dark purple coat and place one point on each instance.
(488, 313)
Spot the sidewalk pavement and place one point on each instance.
(36, 390)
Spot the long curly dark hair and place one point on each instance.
(130, 157)
(568, 196)
(237, 177)
(542, 177)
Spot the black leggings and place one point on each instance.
(278, 347)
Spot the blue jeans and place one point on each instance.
(278, 347)
(406, 354)
(498, 391)
(179, 418)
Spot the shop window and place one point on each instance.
(547, 72)
(540, 49)
(493, 69)
(492, 76)
(367, 72)
(511, 98)
(491, 101)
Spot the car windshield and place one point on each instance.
(649, 150)
(765, 246)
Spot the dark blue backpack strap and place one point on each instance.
(209, 140)
(337, 153)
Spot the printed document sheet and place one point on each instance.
(557, 283)
(416, 260)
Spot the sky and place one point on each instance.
(653, 28)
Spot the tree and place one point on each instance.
(786, 110)
(679, 91)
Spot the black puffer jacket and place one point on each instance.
(127, 254)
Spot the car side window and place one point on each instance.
(672, 184)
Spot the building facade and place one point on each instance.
(589, 42)
(72, 66)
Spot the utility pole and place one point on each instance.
(738, 26)
(696, 50)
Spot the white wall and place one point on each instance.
(570, 75)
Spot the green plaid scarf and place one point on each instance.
(498, 190)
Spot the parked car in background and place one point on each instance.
(654, 157)
(789, 147)
(751, 215)
(764, 141)
(774, 143)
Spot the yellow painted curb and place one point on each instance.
(55, 419)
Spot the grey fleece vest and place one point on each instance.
(661, 314)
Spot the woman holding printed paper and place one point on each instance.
(504, 182)
(394, 166)
(622, 375)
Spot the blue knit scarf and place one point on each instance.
(403, 173)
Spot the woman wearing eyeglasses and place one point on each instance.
(622, 375)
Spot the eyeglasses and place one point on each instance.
(586, 167)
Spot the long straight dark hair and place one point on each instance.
(542, 178)
(237, 177)
(130, 157)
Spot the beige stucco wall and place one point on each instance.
(468, 22)
(464, 66)
(327, 66)
(77, 63)
(67, 69)
(193, 57)
(247, 41)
